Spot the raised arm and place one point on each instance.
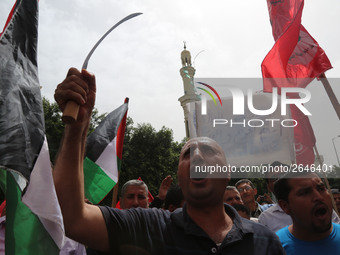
(83, 222)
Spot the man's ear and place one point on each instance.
(284, 206)
(255, 191)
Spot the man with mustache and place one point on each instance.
(204, 226)
(305, 198)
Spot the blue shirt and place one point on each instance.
(328, 245)
(155, 231)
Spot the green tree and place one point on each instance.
(54, 126)
(149, 154)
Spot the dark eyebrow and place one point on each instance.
(303, 190)
(321, 185)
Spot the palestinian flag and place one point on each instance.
(104, 149)
(33, 220)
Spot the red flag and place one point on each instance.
(296, 58)
(149, 193)
(9, 18)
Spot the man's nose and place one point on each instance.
(135, 201)
(196, 155)
(317, 196)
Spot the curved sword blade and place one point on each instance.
(102, 38)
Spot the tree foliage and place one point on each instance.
(54, 126)
(149, 154)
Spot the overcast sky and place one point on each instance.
(141, 58)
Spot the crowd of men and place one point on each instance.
(207, 222)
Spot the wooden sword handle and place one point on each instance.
(70, 113)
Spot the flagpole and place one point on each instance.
(330, 94)
(115, 193)
(326, 181)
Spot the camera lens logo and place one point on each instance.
(210, 94)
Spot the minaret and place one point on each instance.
(187, 72)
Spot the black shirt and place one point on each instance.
(155, 231)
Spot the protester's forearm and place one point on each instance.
(68, 173)
(83, 222)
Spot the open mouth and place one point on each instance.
(197, 179)
(197, 175)
(320, 210)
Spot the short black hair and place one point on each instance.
(174, 196)
(244, 181)
(282, 187)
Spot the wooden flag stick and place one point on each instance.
(326, 181)
(330, 94)
(115, 193)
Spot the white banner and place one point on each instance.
(247, 139)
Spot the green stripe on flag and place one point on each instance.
(97, 183)
(25, 235)
(119, 163)
(3, 178)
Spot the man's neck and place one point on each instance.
(214, 221)
(305, 235)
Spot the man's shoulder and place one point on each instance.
(283, 233)
(254, 226)
(274, 209)
(150, 213)
(336, 226)
(266, 206)
(248, 226)
(257, 228)
(265, 241)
